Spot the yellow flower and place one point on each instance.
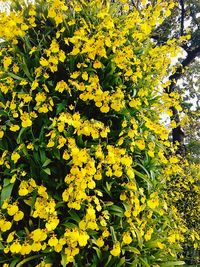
(1, 134)
(173, 159)
(15, 68)
(40, 97)
(33, 49)
(7, 62)
(50, 143)
(53, 241)
(123, 196)
(44, 62)
(97, 64)
(83, 238)
(34, 85)
(23, 191)
(14, 128)
(15, 247)
(151, 153)
(153, 203)
(148, 234)
(52, 223)
(10, 237)
(18, 216)
(62, 56)
(12, 209)
(13, 178)
(100, 242)
(43, 109)
(54, 47)
(25, 249)
(127, 239)
(140, 144)
(135, 103)
(160, 245)
(85, 76)
(6, 226)
(30, 146)
(23, 82)
(172, 238)
(61, 86)
(105, 109)
(66, 155)
(116, 250)
(26, 121)
(38, 235)
(15, 156)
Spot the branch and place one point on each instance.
(177, 133)
(187, 61)
(182, 16)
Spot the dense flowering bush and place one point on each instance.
(183, 195)
(82, 146)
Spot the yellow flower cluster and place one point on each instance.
(54, 55)
(81, 140)
(15, 26)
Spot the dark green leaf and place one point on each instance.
(74, 216)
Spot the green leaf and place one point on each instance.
(70, 225)
(47, 171)
(64, 260)
(115, 210)
(139, 237)
(114, 238)
(6, 182)
(6, 192)
(134, 250)
(46, 163)
(98, 251)
(145, 263)
(33, 199)
(26, 71)
(14, 262)
(42, 156)
(144, 177)
(60, 107)
(152, 244)
(15, 76)
(22, 263)
(1, 246)
(74, 216)
(121, 262)
(56, 153)
(134, 263)
(109, 259)
(80, 142)
(19, 138)
(172, 263)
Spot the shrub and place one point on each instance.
(184, 196)
(81, 139)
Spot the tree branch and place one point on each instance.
(182, 16)
(177, 133)
(187, 61)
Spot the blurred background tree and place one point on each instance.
(184, 19)
(185, 80)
